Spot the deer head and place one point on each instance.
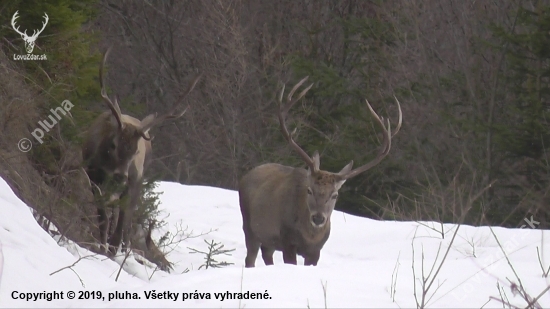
(322, 186)
(122, 140)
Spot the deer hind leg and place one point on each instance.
(252, 243)
(252, 248)
(267, 255)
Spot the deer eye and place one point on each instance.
(309, 191)
(334, 196)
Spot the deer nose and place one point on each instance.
(318, 219)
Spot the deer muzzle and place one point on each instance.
(318, 219)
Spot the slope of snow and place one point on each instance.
(355, 270)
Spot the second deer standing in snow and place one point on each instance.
(288, 209)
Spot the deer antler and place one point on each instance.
(283, 112)
(386, 145)
(152, 120)
(115, 109)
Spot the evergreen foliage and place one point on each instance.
(523, 133)
(70, 71)
(337, 121)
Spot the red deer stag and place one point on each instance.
(288, 209)
(117, 149)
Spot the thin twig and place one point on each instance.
(122, 264)
(506, 256)
(444, 257)
(394, 278)
(71, 268)
(325, 292)
(534, 301)
(79, 259)
(544, 272)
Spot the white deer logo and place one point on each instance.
(29, 40)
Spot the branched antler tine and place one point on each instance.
(291, 93)
(283, 110)
(293, 144)
(293, 101)
(182, 112)
(382, 152)
(400, 117)
(192, 85)
(389, 137)
(376, 116)
(281, 97)
(172, 113)
(304, 92)
(115, 109)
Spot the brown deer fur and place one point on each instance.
(266, 190)
(126, 164)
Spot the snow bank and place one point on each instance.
(355, 269)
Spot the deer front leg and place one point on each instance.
(103, 225)
(312, 258)
(267, 255)
(116, 238)
(289, 254)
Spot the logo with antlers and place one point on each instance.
(29, 40)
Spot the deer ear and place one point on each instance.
(343, 172)
(346, 168)
(339, 184)
(146, 122)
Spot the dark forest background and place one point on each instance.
(472, 78)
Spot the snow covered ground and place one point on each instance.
(365, 263)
